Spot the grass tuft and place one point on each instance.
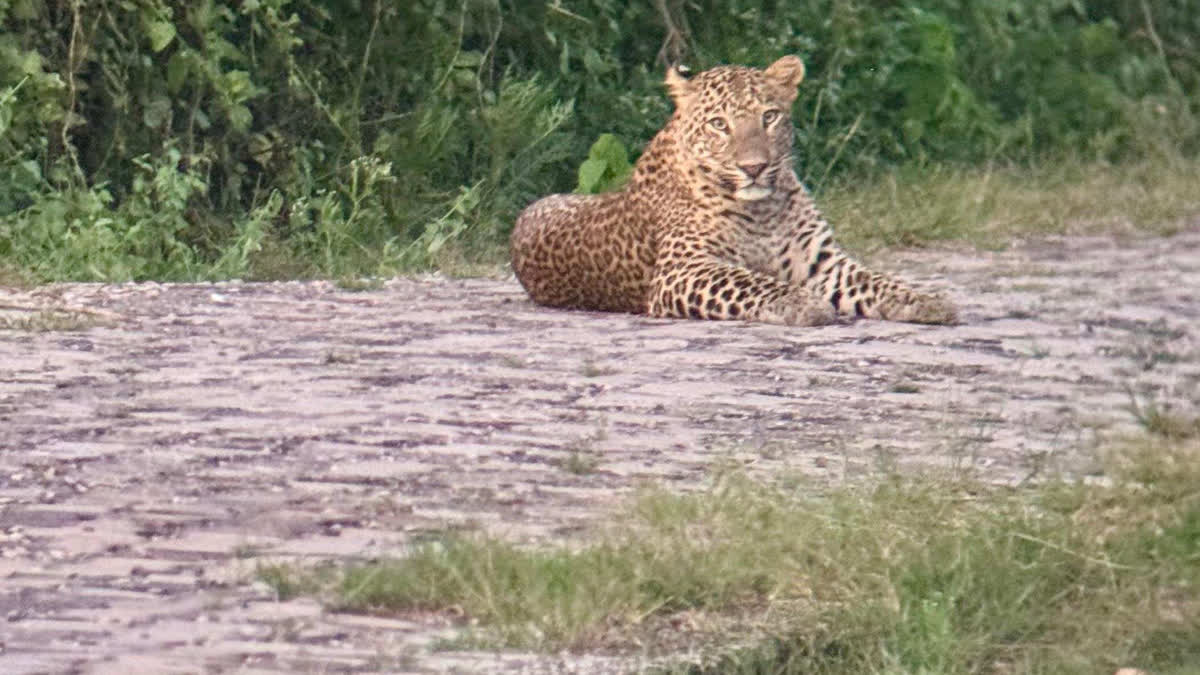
(1163, 421)
(50, 321)
(290, 581)
(581, 462)
(359, 284)
(907, 575)
(13, 277)
(990, 207)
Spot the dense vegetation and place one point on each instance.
(201, 139)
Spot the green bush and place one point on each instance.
(607, 166)
(172, 139)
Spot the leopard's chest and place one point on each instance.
(747, 237)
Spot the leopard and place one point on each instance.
(713, 222)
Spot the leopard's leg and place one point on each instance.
(810, 258)
(707, 288)
(860, 292)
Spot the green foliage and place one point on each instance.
(319, 138)
(144, 236)
(606, 168)
(924, 575)
(989, 206)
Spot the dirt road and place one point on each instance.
(147, 462)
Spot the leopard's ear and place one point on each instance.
(678, 85)
(788, 73)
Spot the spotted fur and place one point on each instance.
(713, 224)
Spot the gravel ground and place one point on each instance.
(162, 438)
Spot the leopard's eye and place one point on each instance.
(770, 117)
(719, 124)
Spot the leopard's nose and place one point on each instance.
(752, 169)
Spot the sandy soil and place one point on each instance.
(148, 461)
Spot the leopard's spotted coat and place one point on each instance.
(713, 224)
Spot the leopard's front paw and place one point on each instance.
(812, 312)
(815, 314)
(796, 312)
(931, 309)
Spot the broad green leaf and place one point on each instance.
(240, 117)
(591, 172)
(177, 70)
(160, 33)
(468, 59)
(24, 10)
(31, 63)
(157, 113)
(238, 86)
(33, 168)
(609, 149)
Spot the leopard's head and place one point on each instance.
(734, 124)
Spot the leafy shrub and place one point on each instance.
(319, 138)
(87, 234)
(606, 168)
